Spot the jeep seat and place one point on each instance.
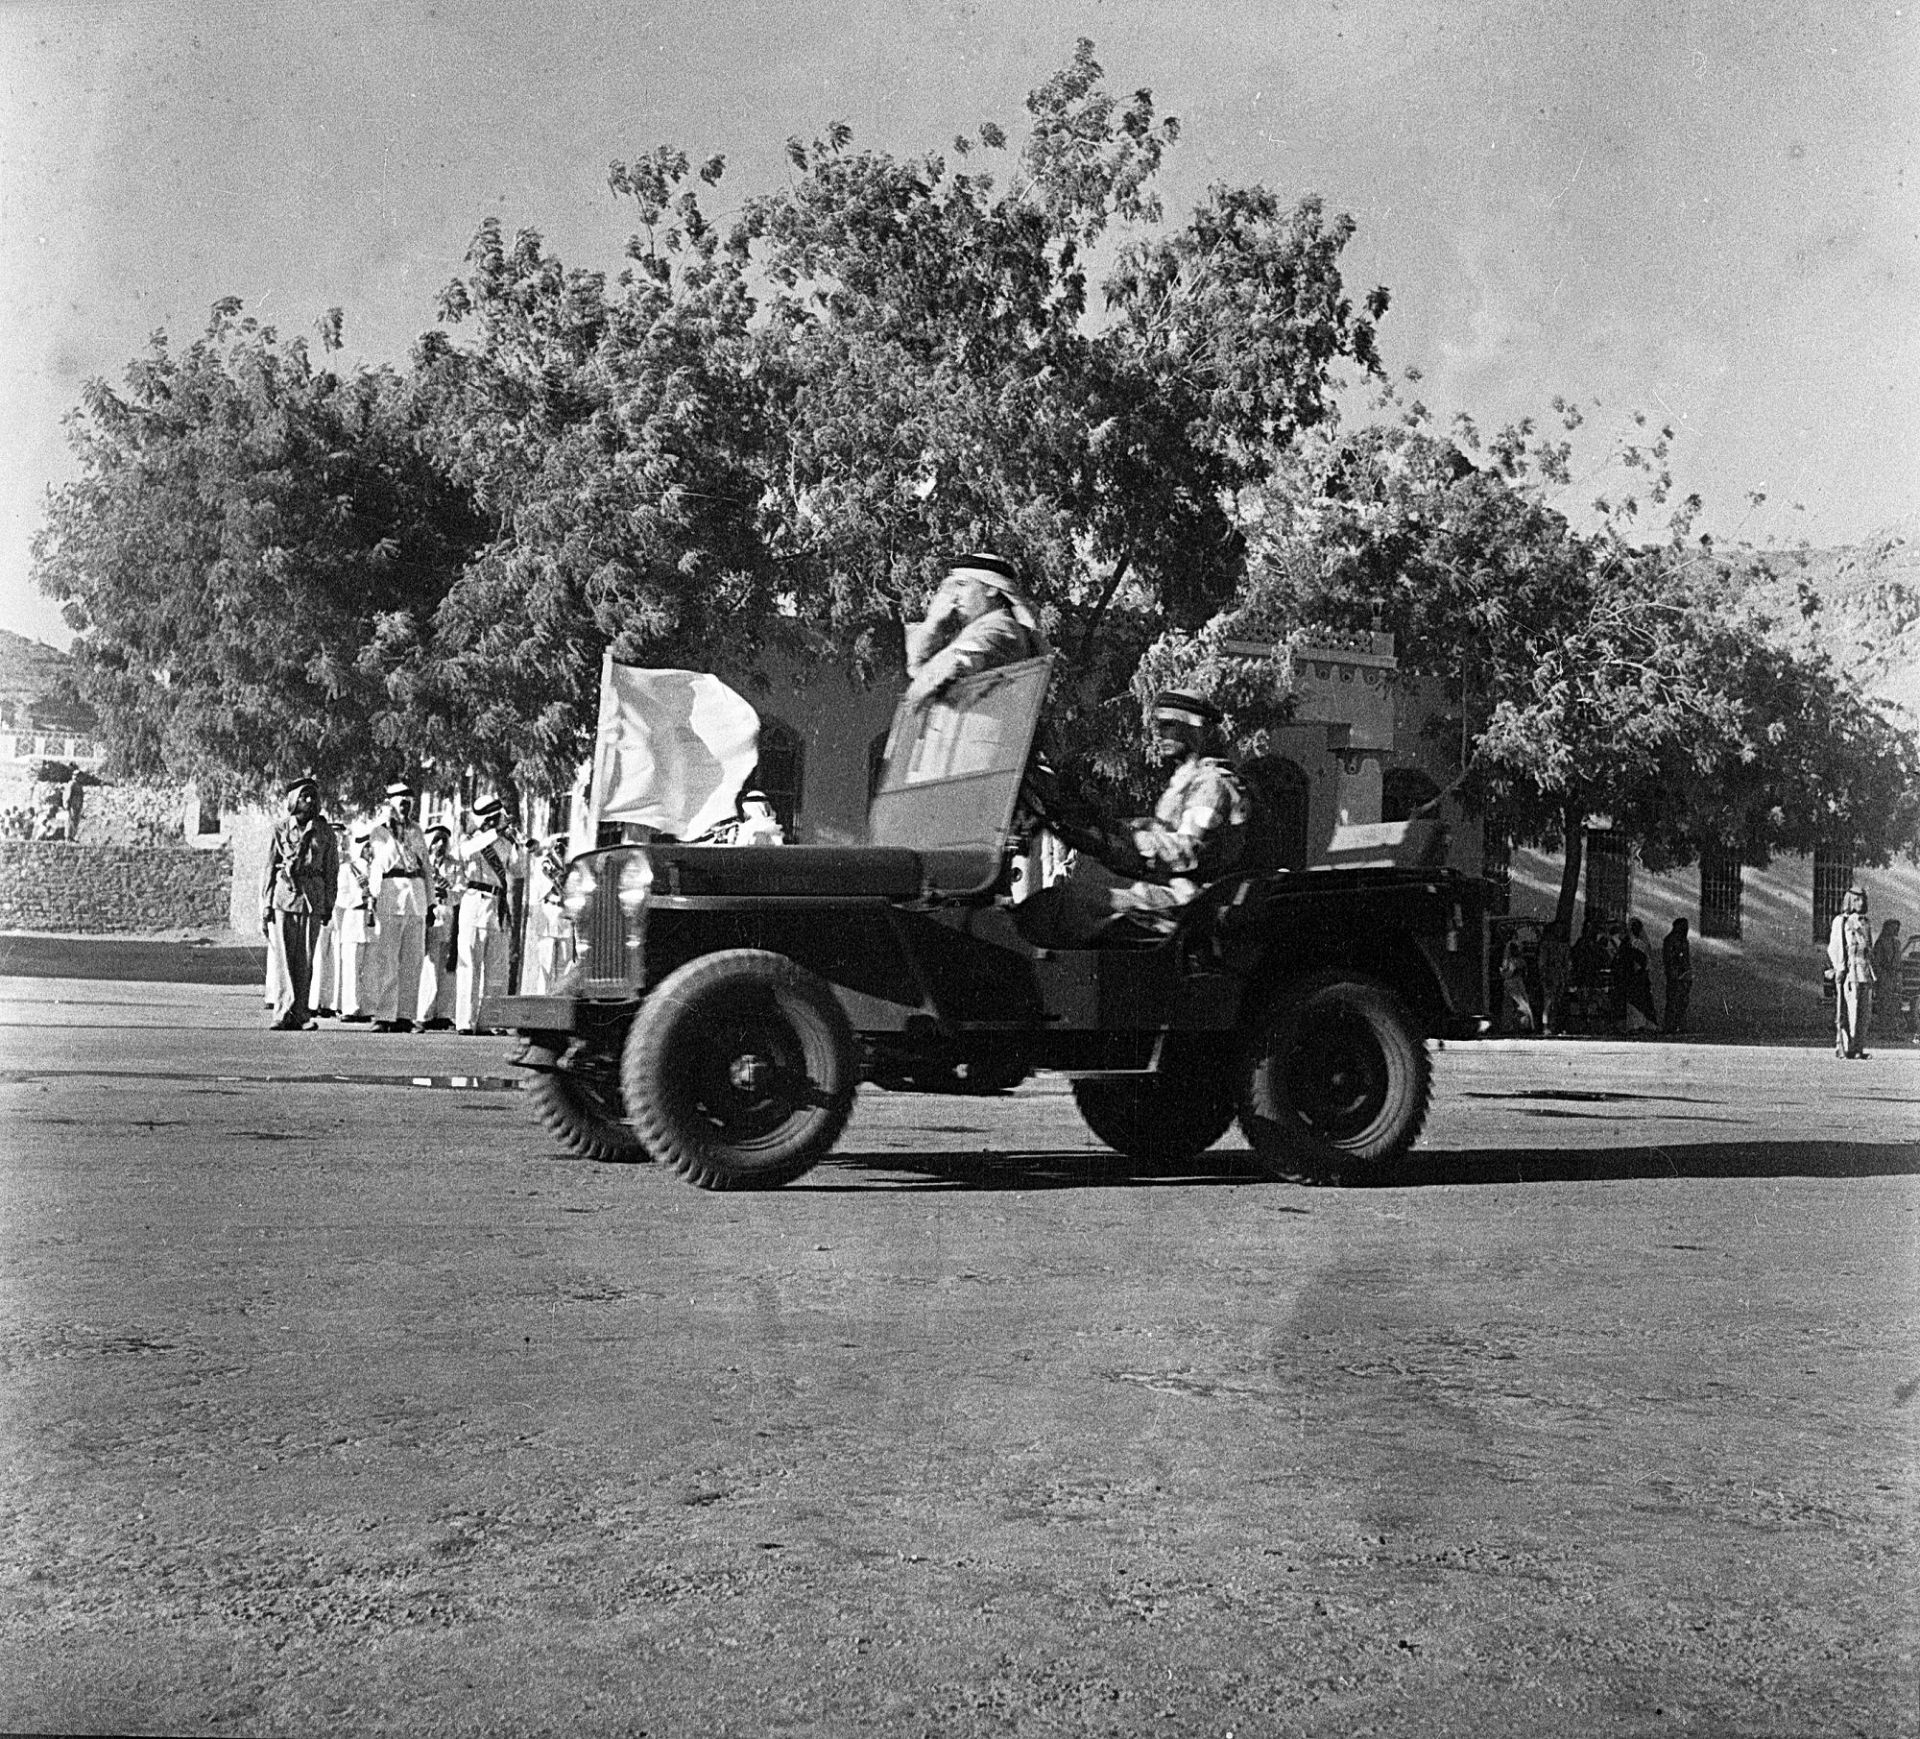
(786, 871)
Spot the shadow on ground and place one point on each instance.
(1423, 1170)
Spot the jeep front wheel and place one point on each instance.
(1335, 1081)
(740, 1070)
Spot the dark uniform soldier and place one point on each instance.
(296, 897)
(1196, 834)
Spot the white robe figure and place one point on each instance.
(491, 862)
(399, 860)
(549, 949)
(435, 1001)
(354, 928)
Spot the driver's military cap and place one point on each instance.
(1183, 707)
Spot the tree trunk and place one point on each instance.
(1573, 829)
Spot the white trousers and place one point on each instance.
(435, 1001)
(393, 965)
(484, 957)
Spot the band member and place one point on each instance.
(355, 924)
(434, 1008)
(296, 896)
(549, 950)
(401, 897)
(491, 859)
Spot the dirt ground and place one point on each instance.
(336, 1400)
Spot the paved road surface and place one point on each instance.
(335, 1403)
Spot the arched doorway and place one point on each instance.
(1403, 791)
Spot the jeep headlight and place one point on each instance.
(636, 877)
(578, 888)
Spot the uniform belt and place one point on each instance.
(484, 888)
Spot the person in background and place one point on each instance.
(491, 860)
(1676, 960)
(75, 799)
(295, 896)
(549, 949)
(1556, 973)
(978, 618)
(1886, 974)
(354, 920)
(1636, 971)
(758, 825)
(433, 1009)
(1850, 955)
(399, 858)
(324, 992)
(1513, 985)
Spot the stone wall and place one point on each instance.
(51, 885)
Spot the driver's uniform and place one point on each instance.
(1196, 834)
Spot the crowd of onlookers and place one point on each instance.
(1603, 982)
(384, 922)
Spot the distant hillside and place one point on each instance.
(29, 670)
(1867, 615)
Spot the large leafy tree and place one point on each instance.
(246, 527)
(793, 426)
(605, 430)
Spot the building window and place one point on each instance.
(1609, 875)
(1720, 885)
(781, 770)
(1403, 791)
(1283, 796)
(1496, 863)
(1832, 876)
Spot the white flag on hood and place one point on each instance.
(673, 749)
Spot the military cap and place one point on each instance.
(1183, 706)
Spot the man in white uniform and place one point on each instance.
(490, 858)
(401, 902)
(434, 1009)
(355, 925)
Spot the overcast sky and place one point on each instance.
(1708, 211)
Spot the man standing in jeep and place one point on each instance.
(1196, 834)
(978, 618)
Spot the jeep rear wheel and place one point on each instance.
(1157, 1119)
(577, 1097)
(1335, 1081)
(740, 1070)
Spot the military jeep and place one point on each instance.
(727, 1002)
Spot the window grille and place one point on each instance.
(1720, 889)
(1609, 875)
(1832, 876)
(1496, 863)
